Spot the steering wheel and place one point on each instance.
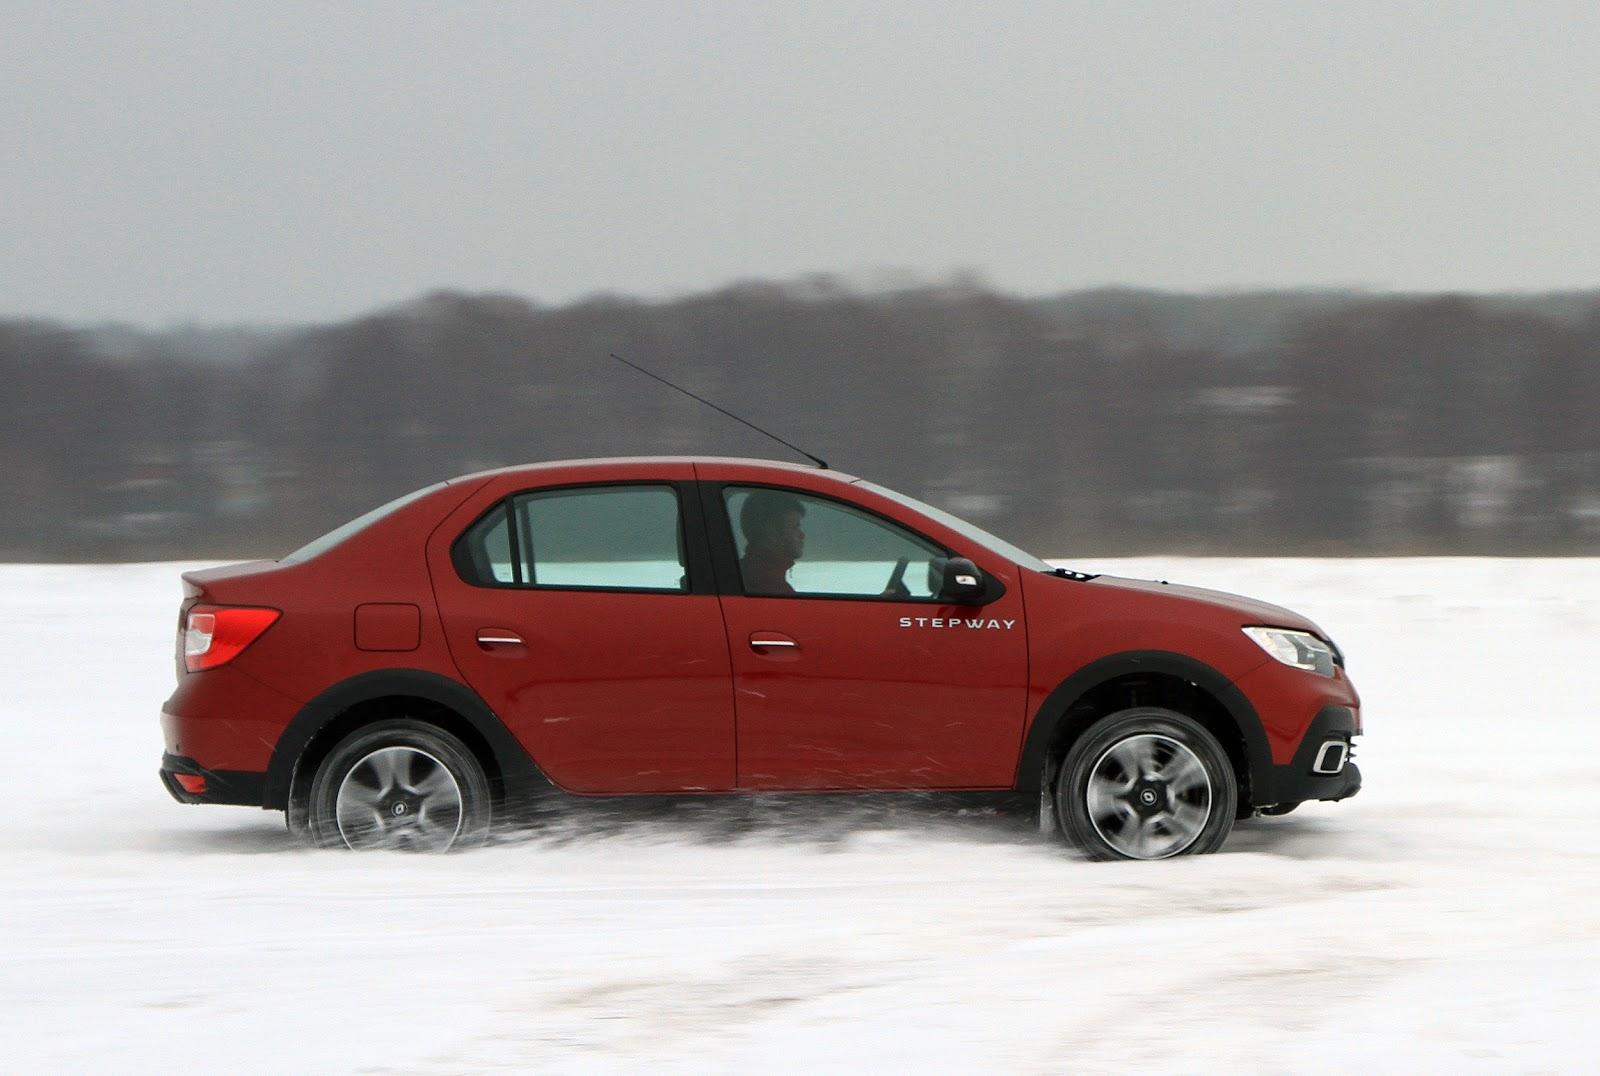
(896, 587)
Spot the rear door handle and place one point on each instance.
(771, 640)
(498, 637)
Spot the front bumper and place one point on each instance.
(190, 782)
(1300, 780)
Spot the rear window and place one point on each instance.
(627, 537)
(321, 545)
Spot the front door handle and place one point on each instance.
(761, 641)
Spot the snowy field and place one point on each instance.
(1447, 918)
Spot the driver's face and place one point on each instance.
(788, 536)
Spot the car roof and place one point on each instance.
(616, 466)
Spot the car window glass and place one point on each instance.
(966, 529)
(612, 537)
(622, 536)
(792, 543)
(483, 555)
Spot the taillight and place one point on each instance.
(215, 635)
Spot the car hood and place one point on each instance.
(1249, 610)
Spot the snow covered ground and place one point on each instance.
(1447, 918)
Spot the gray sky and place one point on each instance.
(282, 162)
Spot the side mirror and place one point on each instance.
(961, 582)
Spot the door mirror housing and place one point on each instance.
(961, 582)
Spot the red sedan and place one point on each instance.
(720, 626)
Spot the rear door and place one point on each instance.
(584, 615)
(843, 680)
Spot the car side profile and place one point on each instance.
(699, 626)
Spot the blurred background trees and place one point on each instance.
(1099, 423)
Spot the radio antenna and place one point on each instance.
(818, 460)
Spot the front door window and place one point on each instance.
(791, 544)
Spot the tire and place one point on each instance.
(1146, 783)
(399, 785)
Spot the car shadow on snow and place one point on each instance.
(818, 820)
(823, 822)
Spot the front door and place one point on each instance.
(848, 672)
(582, 619)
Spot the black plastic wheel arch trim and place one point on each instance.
(519, 774)
(1058, 705)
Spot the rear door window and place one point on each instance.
(626, 537)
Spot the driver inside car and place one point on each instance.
(774, 540)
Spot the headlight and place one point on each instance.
(1298, 648)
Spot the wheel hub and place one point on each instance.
(1149, 796)
(399, 797)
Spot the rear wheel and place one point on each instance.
(401, 785)
(1146, 783)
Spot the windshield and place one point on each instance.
(360, 523)
(967, 530)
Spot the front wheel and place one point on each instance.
(1146, 783)
(402, 785)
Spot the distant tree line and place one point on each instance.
(1092, 424)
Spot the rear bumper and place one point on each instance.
(1300, 780)
(190, 782)
(227, 718)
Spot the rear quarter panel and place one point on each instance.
(312, 646)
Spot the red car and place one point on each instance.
(714, 626)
